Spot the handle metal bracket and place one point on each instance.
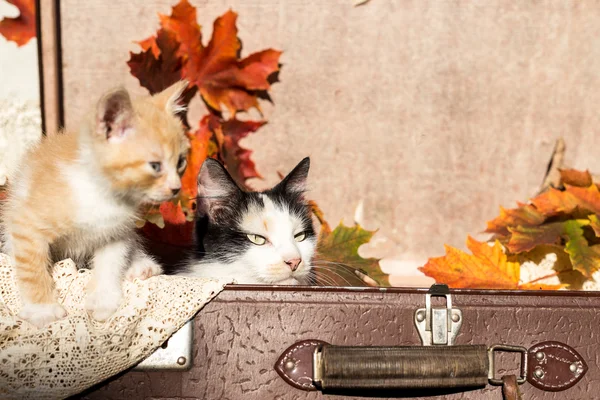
(522, 378)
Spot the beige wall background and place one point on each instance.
(429, 113)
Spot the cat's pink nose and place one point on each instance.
(293, 263)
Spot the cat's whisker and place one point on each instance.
(335, 263)
(356, 272)
(334, 272)
(327, 280)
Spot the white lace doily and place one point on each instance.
(72, 354)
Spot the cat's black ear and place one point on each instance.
(217, 191)
(295, 181)
(114, 114)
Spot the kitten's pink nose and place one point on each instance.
(293, 263)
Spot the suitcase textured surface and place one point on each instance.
(240, 335)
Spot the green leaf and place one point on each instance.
(585, 258)
(526, 238)
(338, 263)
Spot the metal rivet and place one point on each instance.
(421, 316)
(539, 373)
(289, 365)
(455, 317)
(539, 355)
(181, 360)
(573, 367)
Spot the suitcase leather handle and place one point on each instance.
(400, 367)
(316, 365)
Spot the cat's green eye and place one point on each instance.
(300, 236)
(256, 239)
(156, 166)
(181, 164)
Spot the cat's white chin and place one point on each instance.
(289, 281)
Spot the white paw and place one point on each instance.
(143, 269)
(41, 315)
(101, 304)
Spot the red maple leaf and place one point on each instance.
(20, 29)
(158, 66)
(235, 157)
(222, 78)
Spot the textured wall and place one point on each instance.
(431, 113)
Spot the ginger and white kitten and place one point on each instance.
(253, 237)
(78, 194)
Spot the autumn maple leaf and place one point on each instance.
(337, 262)
(563, 218)
(486, 268)
(595, 224)
(158, 66)
(555, 202)
(584, 258)
(20, 29)
(235, 157)
(222, 78)
(577, 196)
(574, 177)
(524, 215)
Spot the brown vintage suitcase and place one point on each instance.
(240, 336)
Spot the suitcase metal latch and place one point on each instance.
(438, 325)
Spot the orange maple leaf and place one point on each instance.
(554, 201)
(199, 151)
(574, 177)
(487, 268)
(20, 29)
(524, 215)
(174, 218)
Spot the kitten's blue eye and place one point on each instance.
(256, 239)
(300, 236)
(156, 166)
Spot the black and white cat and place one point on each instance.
(253, 237)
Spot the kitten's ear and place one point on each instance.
(114, 114)
(217, 189)
(295, 182)
(170, 97)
